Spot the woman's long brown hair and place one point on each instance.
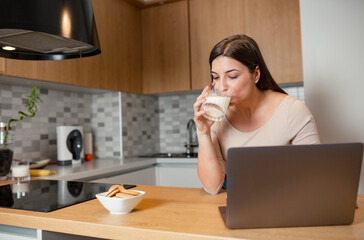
(245, 50)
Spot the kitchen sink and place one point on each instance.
(169, 155)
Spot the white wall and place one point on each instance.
(333, 67)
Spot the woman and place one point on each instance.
(260, 113)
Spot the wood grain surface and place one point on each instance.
(2, 65)
(118, 67)
(168, 213)
(165, 47)
(275, 26)
(210, 22)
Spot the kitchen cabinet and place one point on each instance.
(173, 172)
(19, 233)
(146, 176)
(178, 175)
(2, 66)
(118, 67)
(210, 22)
(149, 48)
(149, 3)
(275, 25)
(165, 47)
(177, 172)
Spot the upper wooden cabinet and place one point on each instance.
(275, 26)
(2, 66)
(118, 67)
(149, 3)
(210, 22)
(165, 47)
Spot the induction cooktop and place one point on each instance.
(49, 195)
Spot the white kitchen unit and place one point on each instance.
(146, 176)
(168, 172)
(19, 233)
(178, 175)
(175, 172)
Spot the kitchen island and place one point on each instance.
(168, 213)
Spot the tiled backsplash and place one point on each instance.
(105, 124)
(36, 137)
(123, 124)
(175, 111)
(140, 124)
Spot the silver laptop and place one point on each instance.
(291, 186)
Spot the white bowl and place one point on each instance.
(117, 205)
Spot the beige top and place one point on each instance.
(292, 123)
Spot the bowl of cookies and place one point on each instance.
(119, 200)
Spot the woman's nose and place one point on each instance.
(222, 86)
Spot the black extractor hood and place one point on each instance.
(47, 29)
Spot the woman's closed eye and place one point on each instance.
(214, 77)
(234, 76)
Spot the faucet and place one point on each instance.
(191, 137)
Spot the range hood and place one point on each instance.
(47, 29)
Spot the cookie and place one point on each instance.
(112, 193)
(122, 195)
(112, 188)
(131, 192)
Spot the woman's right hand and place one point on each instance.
(203, 124)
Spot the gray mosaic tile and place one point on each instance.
(106, 127)
(175, 111)
(36, 137)
(140, 124)
(149, 123)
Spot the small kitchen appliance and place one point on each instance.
(69, 145)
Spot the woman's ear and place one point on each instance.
(256, 74)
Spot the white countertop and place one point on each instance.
(99, 167)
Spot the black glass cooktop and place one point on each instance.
(49, 195)
(169, 155)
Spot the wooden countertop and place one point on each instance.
(168, 213)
